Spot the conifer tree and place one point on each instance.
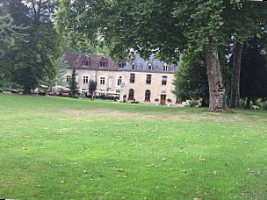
(73, 84)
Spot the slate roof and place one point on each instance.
(78, 61)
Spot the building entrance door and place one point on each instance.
(163, 99)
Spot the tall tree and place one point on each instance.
(166, 27)
(32, 60)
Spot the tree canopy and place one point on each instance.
(31, 60)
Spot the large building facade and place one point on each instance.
(133, 80)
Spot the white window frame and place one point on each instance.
(102, 80)
(85, 79)
(165, 79)
(68, 78)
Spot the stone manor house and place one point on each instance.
(133, 80)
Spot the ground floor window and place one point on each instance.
(119, 81)
(85, 79)
(68, 78)
(147, 95)
(131, 94)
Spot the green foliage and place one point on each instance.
(59, 74)
(193, 103)
(264, 105)
(73, 84)
(31, 61)
(191, 78)
(242, 103)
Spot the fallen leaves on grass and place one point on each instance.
(118, 169)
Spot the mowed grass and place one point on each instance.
(63, 148)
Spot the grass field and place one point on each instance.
(62, 148)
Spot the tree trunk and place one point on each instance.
(26, 90)
(235, 83)
(214, 74)
(247, 106)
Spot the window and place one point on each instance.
(121, 65)
(147, 95)
(119, 81)
(86, 63)
(164, 80)
(85, 79)
(165, 67)
(132, 78)
(118, 91)
(68, 78)
(102, 64)
(131, 94)
(148, 78)
(133, 65)
(102, 80)
(149, 66)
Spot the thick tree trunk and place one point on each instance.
(216, 87)
(235, 83)
(26, 90)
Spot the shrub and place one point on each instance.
(169, 100)
(258, 102)
(242, 103)
(156, 99)
(193, 103)
(264, 105)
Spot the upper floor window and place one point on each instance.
(165, 67)
(68, 78)
(132, 78)
(121, 65)
(102, 64)
(164, 80)
(148, 78)
(133, 66)
(86, 63)
(102, 80)
(119, 81)
(149, 66)
(85, 79)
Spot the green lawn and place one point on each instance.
(62, 148)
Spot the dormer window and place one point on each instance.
(121, 65)
(165, 67)
(85, 63)
(103, 62)
(133, 66)
(149, 66)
